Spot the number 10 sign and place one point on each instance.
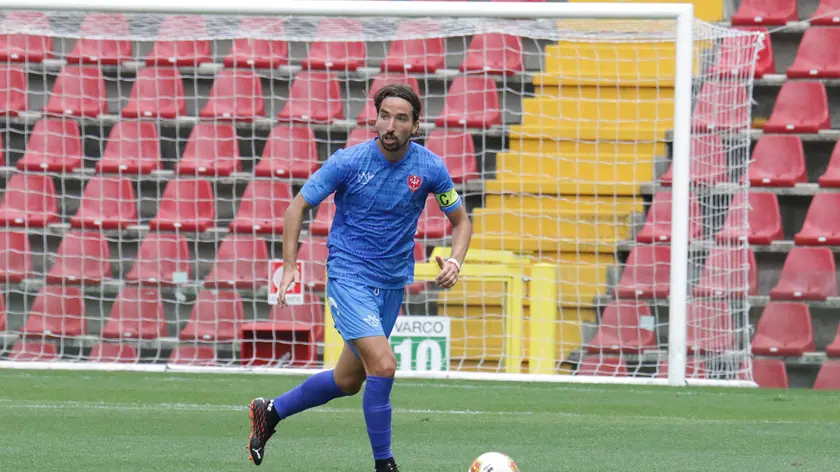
(421, 343)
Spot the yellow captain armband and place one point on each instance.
(447, 199)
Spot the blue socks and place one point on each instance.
(314, 391)
(376, 404)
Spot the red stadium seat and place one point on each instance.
(314, 97)
(133, 147)
(765, 12)
(833, 349)
(494, 53)
(262, 207)
(457, 150)
(78, 91)
(728, 271)
(627, 327)
(33, 351)
(415, 55)
(827, 14)
(809, 273)
(767, 373)
(801, 107)
(212, 149)
(828, 378)
(107, 203)
(433, 222)
(291, 151)
(30, 48)
(758, 220)
(55, 145)
(778, 161)
(321, 224)
(737, 52)
(2, 313)
(158, 92)
(647, 273)
(29, 201)
(337, 55)
(816, 56)
(694, 369)
(259, 53)
(831, 177)
(709, 328)
(112, 352)
(216, 316)
(241, 262)
(708, 162)
(360, 135)
(163, 258)
(82, 257)
(368, 114)
(236, 94)
(310, 312)
(713, 110)
(301, 328)
(15, 257)
(313, 253)
(57, 311)
(472, 102)
(193, 354)
(186, 205)
(784, 330)
(658, 223)
(821, 226)
(602, 366)
(137, 313)
(169, 51)
(102, 51)
(13, 98)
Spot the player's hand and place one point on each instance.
(290, 277)
(448, 273)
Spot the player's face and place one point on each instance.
(395, 124)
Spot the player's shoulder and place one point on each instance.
(426, 156)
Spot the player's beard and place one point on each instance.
(394, 145)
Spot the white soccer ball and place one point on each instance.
(494, 462)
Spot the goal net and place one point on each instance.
(149, 159)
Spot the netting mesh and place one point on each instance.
(149, 161)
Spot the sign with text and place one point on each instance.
(421, 343)
(294, 296)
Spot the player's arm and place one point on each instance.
(322, 183)
(452, 205)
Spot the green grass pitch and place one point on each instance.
(99, 421)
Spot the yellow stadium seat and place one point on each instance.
(549, 203)
(506, 183)
(589, 150)
(563, 225)
(575, 168)
(706, 10)
(517, 243)
(643, 64)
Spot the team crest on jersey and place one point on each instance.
(414, 182)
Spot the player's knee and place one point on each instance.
(350, 384)
(384, 366)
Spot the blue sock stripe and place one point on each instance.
(314, 391)
(376, 404)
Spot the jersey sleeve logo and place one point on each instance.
(447, 199)
(414, 182)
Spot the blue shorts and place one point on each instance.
(360, 311)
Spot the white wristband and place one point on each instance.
(455, 261)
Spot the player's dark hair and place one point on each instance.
(403, 91)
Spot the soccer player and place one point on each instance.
(380, 189)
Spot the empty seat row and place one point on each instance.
(780, 12)
(801, 107)
(55, 145)
(138, 313)
(314, 97)
(772, 373)
(617, 367)
(808, 273)
(489, 52)
(186, 205)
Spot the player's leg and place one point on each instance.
(345, 379)
(380, 366)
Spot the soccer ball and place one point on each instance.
(493, 462)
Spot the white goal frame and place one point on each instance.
(682, 14)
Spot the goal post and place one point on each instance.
(600, 150)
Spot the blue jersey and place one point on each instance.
(377, 206)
